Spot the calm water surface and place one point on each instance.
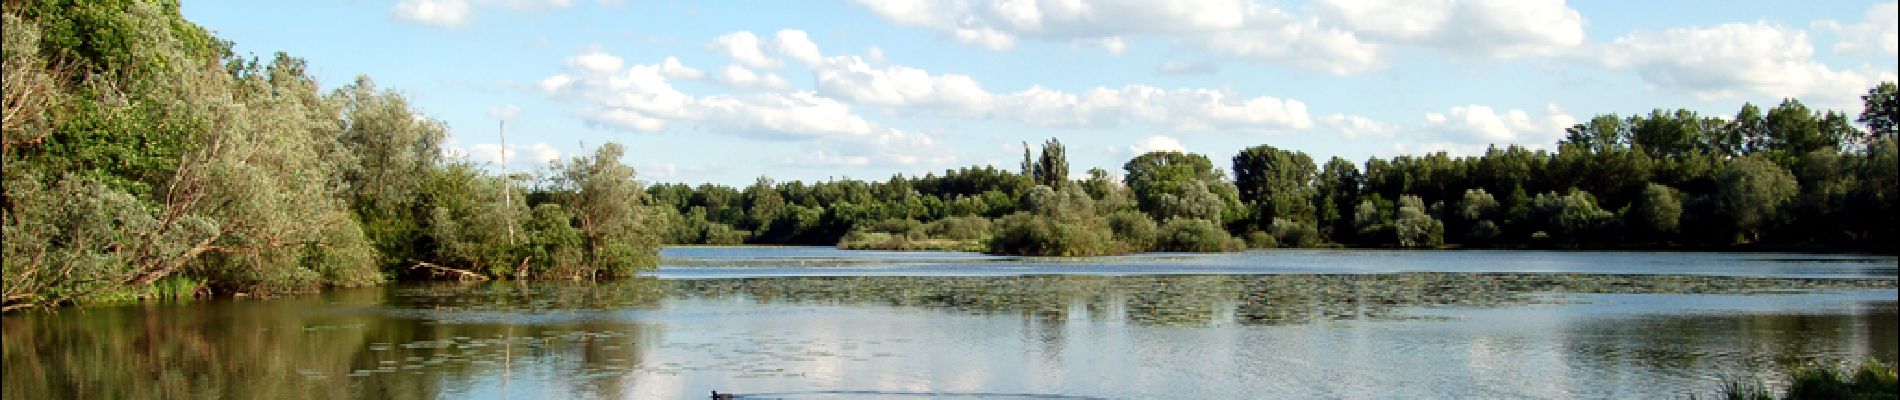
(807, 323)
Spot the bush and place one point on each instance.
(1133, 228)
(1029, 234)
(959, 228)
(1195, 235)
(1287, 233)
(722, 234)
(1261, 240)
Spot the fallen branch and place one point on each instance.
(521, 272)
(462, 274)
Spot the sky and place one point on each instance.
(725, 92)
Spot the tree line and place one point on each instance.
(1785, 178)
(144, 158)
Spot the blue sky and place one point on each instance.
(724, 92)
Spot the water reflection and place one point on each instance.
(1196, 336)
(1215, 300)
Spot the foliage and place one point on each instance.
(1752, 191)
(1195, 235)
(1872, 379)
(1415, 228)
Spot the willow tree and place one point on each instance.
(188, 162)
(619, 232)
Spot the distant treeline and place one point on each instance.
(1786, 178)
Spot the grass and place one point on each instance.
(1872, 379)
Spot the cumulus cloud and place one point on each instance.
(515, 155)
(1353, 126)
(743, 46)
(455, 13)
(1339, 36)
(1477, 124)
(796, 45)
(439, 13)
(1469, 28)
(916, 90)
(504, 113)
(1734, 60)
(1186, 68)
(671, 68)
(641, 98)
(1155, 143)
(740, 77)
(1879, 31)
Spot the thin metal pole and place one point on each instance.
(507, 182)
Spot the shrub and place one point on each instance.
(1195, 235)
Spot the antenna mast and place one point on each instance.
(507, 182)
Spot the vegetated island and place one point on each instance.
(145, 158)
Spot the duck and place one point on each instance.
(717, 396)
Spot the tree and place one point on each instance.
(1167, 184)
(1275, 184)
(1658, 212)
(1751, 191)
(1882, 109)
(609, 209)
(1573, 217)
(1414, 227)
(1667, 134)
(1052, 168)
(1338, 189)
(1602, 133)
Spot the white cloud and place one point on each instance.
(595, 61)
(794, 44)
(440, 13)
(504, 113)
(986, 38)
(1466, 28)
(997, 24)
(1353, 126)
(455, 13)
(743, 46)
(1156, 143)
(1477, 124)
(517, 155)
(1880, 30)
(1275, 36)
(1735, 60)
(1114, 45)
(672, 69)
(740, 77)
(851, 78)
(640, 98)
(1186, 68)
(1339, 37)
(916, 90)
(1179, 109)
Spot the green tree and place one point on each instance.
(1174, 184)
(609, 208)
(1881, 111)
(1414, 227)
(1276, 184)
(1052, 168)
(1751, 192)
(1658, 212)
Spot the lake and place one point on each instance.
(814, 323)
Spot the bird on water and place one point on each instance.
(717, 396)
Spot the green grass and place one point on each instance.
(1872, 379)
